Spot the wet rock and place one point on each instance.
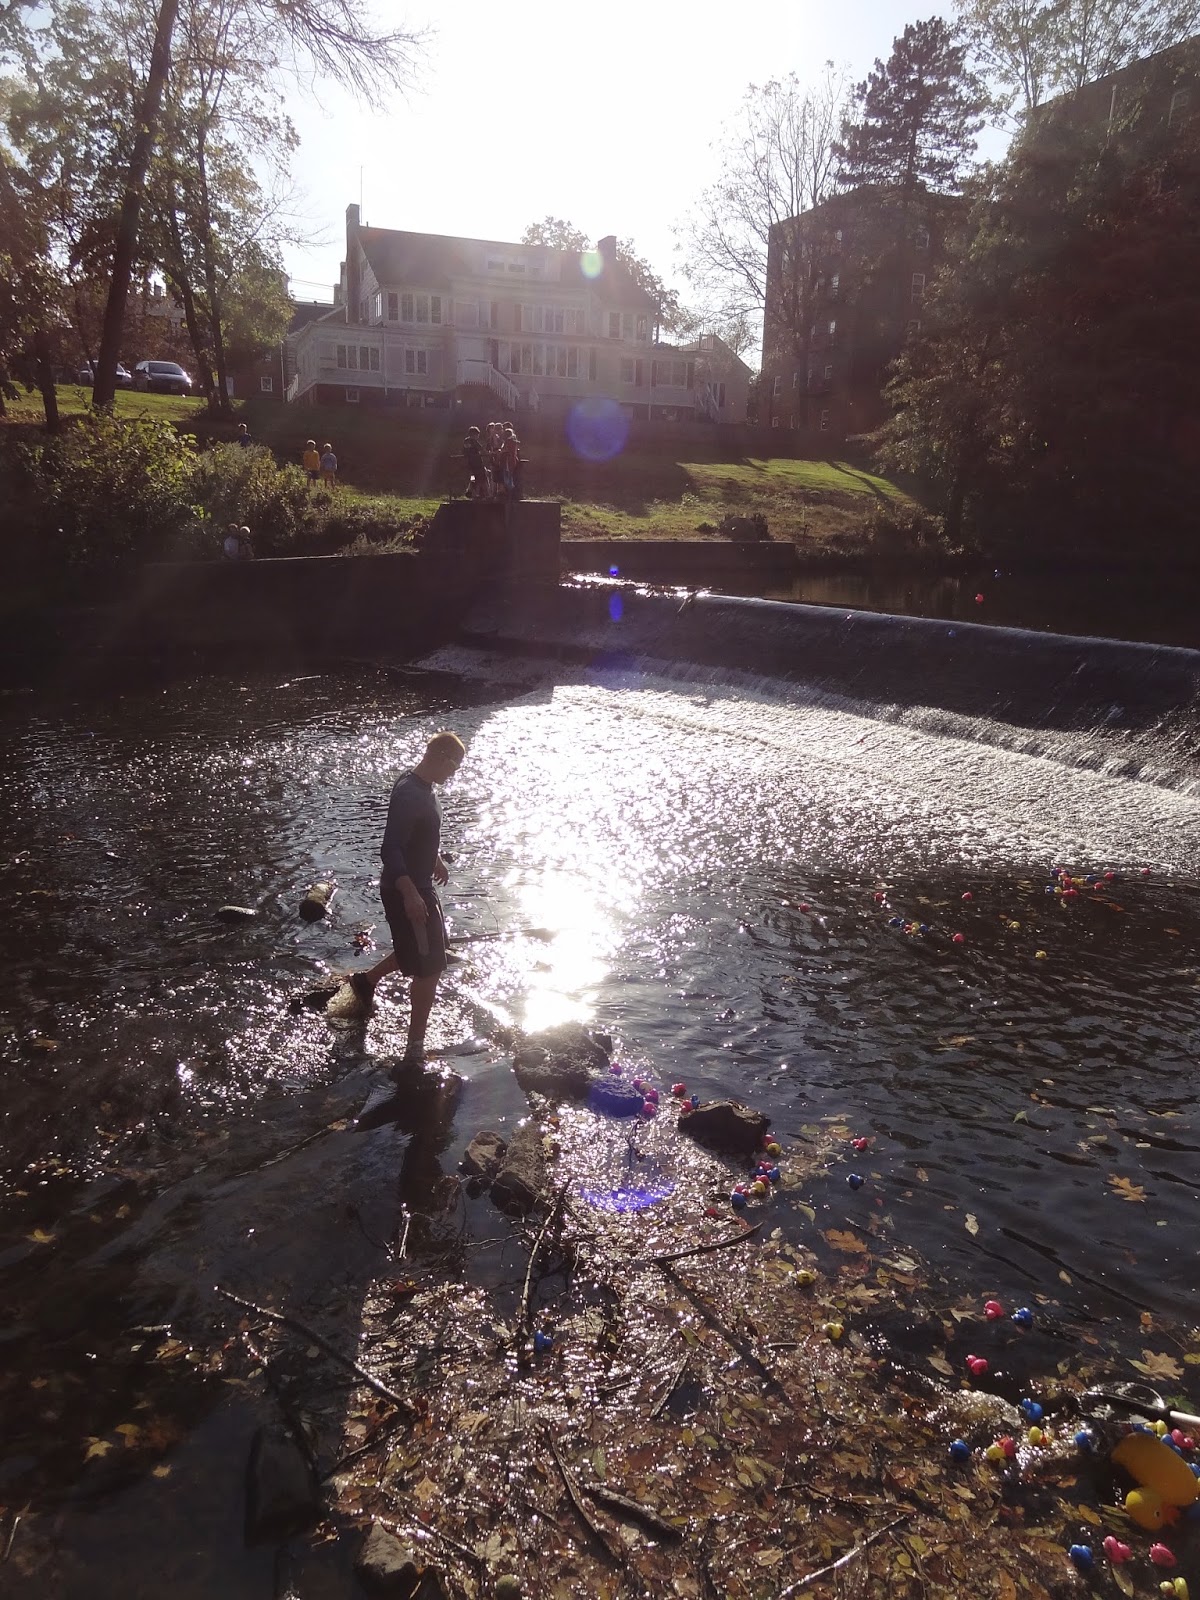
(316, 998)
(484, 1155)
(317, 901)
(559, 1062)
(281, 1492)
(725, 1125)
(236, 914)
(508, 1588)
(386, 1565)
(522, 1176)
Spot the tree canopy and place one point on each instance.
(914, 118)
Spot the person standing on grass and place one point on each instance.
(312, 462)
(243, 435)
(412, 865)
(328, 467)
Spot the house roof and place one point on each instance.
(434, 259)
(306, 311)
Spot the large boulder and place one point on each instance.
(725, 1125)
(560, 1062)
(522, 1177)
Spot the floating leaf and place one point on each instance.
(971, 1224)
(97, 1447)
(1127, 1189)
(843, 1239)
(940, 1364)
(1156, 1364)
(40, 1236)
(162, 1470)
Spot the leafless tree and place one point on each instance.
(776, 162)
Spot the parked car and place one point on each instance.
(161, 377)
(87, 375)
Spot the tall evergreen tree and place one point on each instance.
(914, 120)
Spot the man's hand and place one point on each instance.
(441, 873)
(415, 908)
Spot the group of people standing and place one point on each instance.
(494, 462)
(321, 465)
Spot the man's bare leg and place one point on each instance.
(424, 991)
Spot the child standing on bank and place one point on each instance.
(312, 462)
(328, 467)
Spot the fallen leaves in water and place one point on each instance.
(1156, 1364)
(1126, 1189)
(842, 1239)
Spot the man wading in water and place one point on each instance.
(411, 867)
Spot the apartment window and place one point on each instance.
(627, 325)
(495, 265)
(796, 378)
(539, 360)
(829, 370)
(466, 313)
(834, 286)
(913, 326)
(493, 313)
(377, 306)
(368, 359)
(777, 386)
(774, 422)
(516, 266)
(626, 369)
(921, 239)
(393, 307)
(918, 287)
(364, 310)
(351, 397)
(1177, 113)
(837, 238)
(832, 328)
(416, 363)
(574, 319)
(643, 330)
(591, 366)
(422, 305)
(347, 357)
(792, 420)
(266, 385)
(406, 308)
(614, 324)
(435, 308)
(531, 319)
(825, 422)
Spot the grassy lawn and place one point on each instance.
(74, 400)
(647, 492)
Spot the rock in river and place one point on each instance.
(281, 1492)
(560, 1062)
(386, 1565)
(484, 1155)
(725, 1125)
(522, 1174)
(317, 901)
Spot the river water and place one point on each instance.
(708, 870)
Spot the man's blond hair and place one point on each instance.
(446, 744)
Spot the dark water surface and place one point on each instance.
(695, 868)
(1157, 609)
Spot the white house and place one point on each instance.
(426, 319)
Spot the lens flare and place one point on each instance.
(591, 263)
(597, 429)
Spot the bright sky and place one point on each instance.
(605, 115)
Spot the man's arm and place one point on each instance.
(400, 820)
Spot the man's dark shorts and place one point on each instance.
(417, 957)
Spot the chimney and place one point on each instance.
(607, 248)
(353, 280)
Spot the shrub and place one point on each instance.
(242, 484)
(107, 493)
(904, 531)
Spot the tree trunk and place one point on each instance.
(222, 407)
(179, 279)
(129, 225)
(44, 367)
